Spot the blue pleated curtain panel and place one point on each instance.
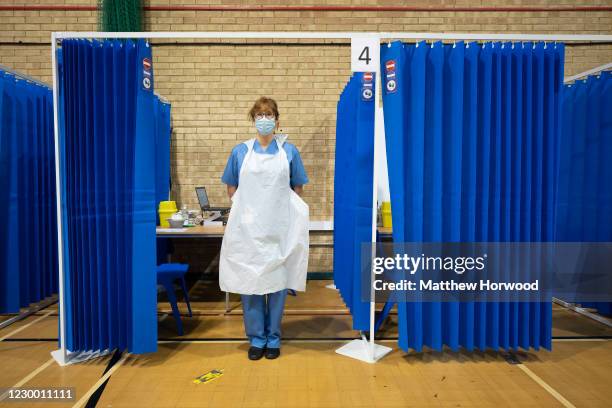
(353, 180)
(163, 133)
(107, 156)
(28, 230)
(472, 133)
(584, 207)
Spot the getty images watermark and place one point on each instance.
(458, 264)
(486, 271)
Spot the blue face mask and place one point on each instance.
(265, 126)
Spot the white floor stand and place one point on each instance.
(362, 349)
(76, 357)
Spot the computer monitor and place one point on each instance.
(204, 203)
(202, 198)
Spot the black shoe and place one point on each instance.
(255, 353)
(272, 353)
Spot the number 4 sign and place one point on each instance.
(365, 54)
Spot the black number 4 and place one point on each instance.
(366, 57)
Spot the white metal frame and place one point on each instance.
(371, 354)
(583, 311)
(571, 306)
(30, 311)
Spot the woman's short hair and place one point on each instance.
(264, 104)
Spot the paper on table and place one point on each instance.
(172, 229)
(212, 215)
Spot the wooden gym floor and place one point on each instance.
(578, 372)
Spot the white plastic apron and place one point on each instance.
(265, 245)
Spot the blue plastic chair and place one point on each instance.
(166, 275)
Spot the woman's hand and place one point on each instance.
(231, 190)
(299, 190)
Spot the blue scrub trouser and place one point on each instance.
(262, 318)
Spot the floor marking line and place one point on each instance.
(603, 336)
(29, 377)
(588, 339)
(92, 402)
(547, 387)
(25, 326)
(101, 381)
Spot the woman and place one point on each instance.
(265, 245)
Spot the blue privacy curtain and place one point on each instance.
(353, 179)
(163, 133)
(28, 213)
(107, 151)
(472, 136)
(162, 150)
(585, 174)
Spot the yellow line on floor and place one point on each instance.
(25, 326)
(547, 387)
(29, 377)
(101, 381)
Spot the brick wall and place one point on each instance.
(211, 86)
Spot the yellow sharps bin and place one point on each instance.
(166, 209)
(385, 209)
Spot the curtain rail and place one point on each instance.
(262, 8)
(24, 76)
(592, 71)
(331, 35)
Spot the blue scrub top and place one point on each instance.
(297, 173)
